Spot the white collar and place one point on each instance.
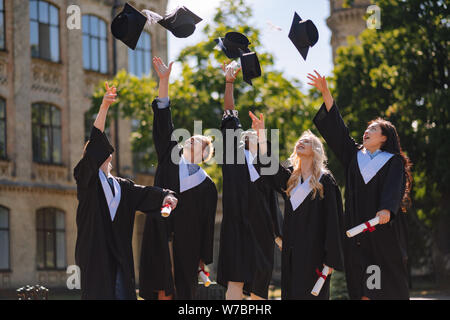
(254, 175)
(112, 201)
(300, 192)
(370, 167)
(189, 181)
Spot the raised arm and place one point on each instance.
(230, 76)
(330, 124)
(108, 99)
(230, 120)
(98, 148)
(162, 119)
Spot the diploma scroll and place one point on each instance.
(363, 227)
(319, 283)
(204, 276)
(166, 210)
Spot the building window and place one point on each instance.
(2, 129)
(139, 59)
(95, 44)
(46, 126)
(4, 238)
(44, 30)
(51, 242)
(2, 25)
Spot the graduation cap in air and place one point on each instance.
(181, 22)
(233, 44)
(303, 34)
(127, 26)
(250, 67)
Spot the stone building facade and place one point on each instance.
(37, 190)
(345, 22)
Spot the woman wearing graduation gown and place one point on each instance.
(251, 217)
(312, 216)
(105, 217)
(174, 249)
(378, 181)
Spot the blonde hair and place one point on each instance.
(318, 166)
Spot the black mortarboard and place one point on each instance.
(127, 26)
(303, 34)
(233, 44)
(181, 22)
(250, 67)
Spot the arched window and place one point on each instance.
(139, 59)
(2, 129)
(46, 125)
(51, 242)
(44, 30)
(4, 239)
(95, 44)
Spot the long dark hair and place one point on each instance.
(392, 145)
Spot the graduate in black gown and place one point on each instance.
(105, 217)
(312, 216)
(251, 217)
(174, 249)
(378, 181)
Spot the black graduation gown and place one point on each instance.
(251, 221)
(311, 237)
(103, 245)
(386, 246)
(192, 224)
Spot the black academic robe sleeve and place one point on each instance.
(162, 131)
(275, 214)
(209, 211)
(277, 181)
(393, 187)
(333, 129)
(334, 256)
(97, 151)
(229, 123)
(146, 199)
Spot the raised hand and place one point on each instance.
(171, 201)
(110, 96)
(318, 81)
(257, 124)
(321, 84)
(230, 73)
(162, 70)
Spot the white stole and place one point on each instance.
(189, 181)
(300, 192)
(370, 167)
(112, 201)
(254, 175)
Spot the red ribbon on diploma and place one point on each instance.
(368, 227)
(165, 206)
(203, 269)
(321, 275)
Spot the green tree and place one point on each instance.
(400, 72)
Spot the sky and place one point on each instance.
(279, 13)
